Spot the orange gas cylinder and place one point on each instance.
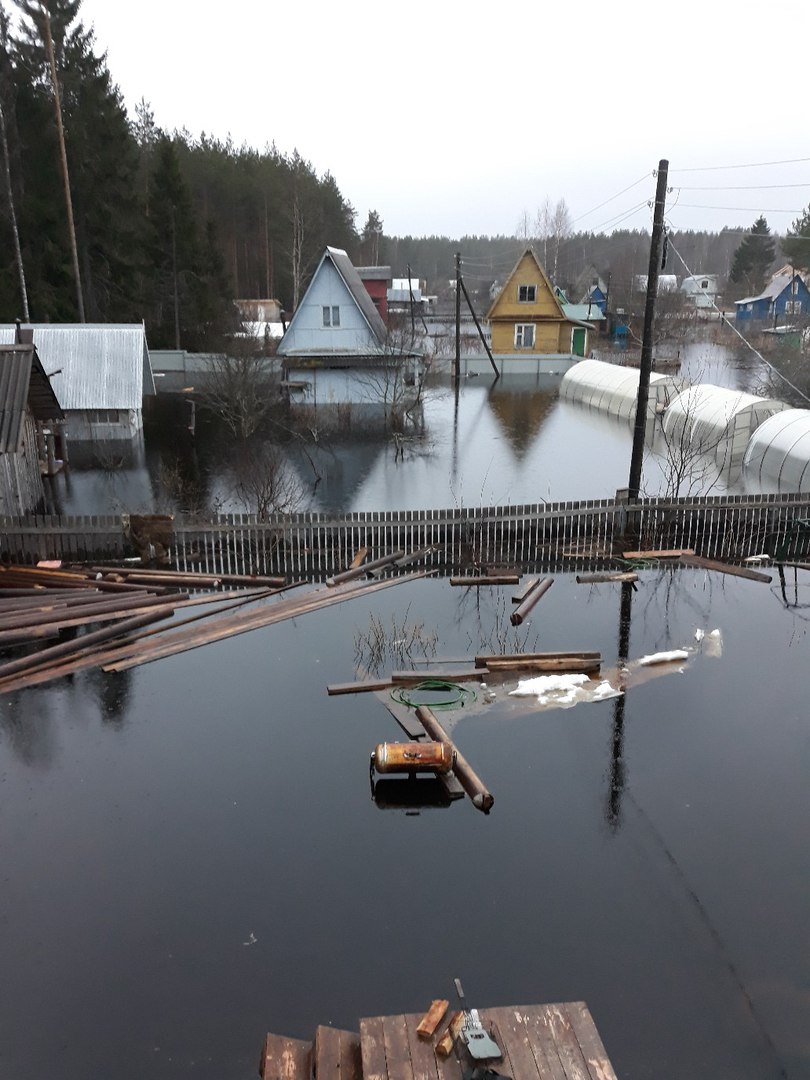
(434, 757)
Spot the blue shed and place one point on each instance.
(784, 298)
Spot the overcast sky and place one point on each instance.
(454, 117)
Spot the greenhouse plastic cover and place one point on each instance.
(710, 415)
(614, 389)
(780, 449)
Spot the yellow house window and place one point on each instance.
(524, 335)
(527, 294)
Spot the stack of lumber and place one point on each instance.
(42, 603)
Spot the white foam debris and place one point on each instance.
(664, 657)
(711, 642)
(564, 691)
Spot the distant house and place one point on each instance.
(666, 283)
(100, 374)
(31, 439)
(786, 297)
(592, 289)
(337, 349)
(701, 290)
(377, 280)
(261, 319)
(528, 319)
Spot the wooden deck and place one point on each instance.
(539, 1042)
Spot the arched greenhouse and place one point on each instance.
(712, 419)
(613, 389)
(780, 450)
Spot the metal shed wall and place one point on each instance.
(780, 450)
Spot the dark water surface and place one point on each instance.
(190, 856)
(512, 441)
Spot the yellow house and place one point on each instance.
(526, 316)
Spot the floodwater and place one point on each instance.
(190, 855)
(497, 443)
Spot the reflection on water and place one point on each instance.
(495, 442)
(152, 825)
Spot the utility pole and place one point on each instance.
(13, 217)
(656, 247)
(410, 294)
(57, 104)
(457, 370)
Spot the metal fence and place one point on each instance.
(538, 536)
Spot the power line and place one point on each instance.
(749, 165)
(747, 209)
(739, 187)
(612, 197)
(741, 336)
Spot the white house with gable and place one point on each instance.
(337, 349)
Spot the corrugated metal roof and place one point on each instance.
(22, 383)
(93, 366)
(777, 285)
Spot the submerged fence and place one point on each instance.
(539, 536)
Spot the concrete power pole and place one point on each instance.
(656, 247)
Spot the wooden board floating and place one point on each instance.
(663, 553)
(539, 1042)
(593, 579)
(725, 568)
(486, 579)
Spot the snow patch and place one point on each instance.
(664, 657)
(564, 691)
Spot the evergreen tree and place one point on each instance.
(754, 258)
(190, 289)
(371, 239)
(102, 157)
(796, 245)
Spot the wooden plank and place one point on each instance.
(593, 579)
(359, 558)
(423, 1058)
(664, 553)
(524, 591)
(410, 678)
(363, 686)
(486, 579)
(495, 658)
(566, 1042)
(513, 1039)
(725, 568)
(351, 1065)
(599, 1066)
(337, 1054)
(233, 625)
(543, 1042)
(372, 1049)
(564, 664)
(397, 1051)
(285, 1059)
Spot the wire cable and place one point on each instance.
(749, 165)
(612, 197)
(741, 336)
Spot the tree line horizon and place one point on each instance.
(170, 228)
